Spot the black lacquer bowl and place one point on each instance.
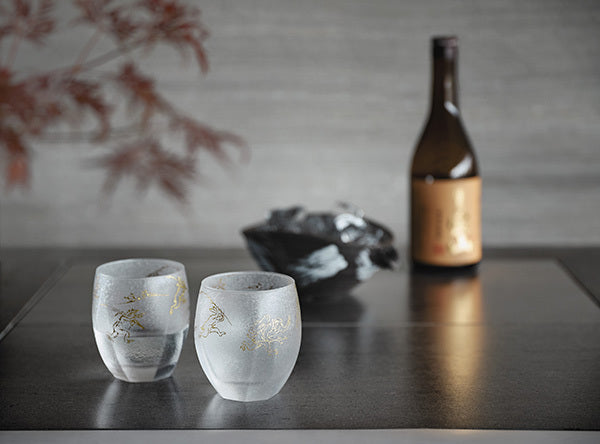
(325, 262)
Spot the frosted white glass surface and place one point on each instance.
(140, 315)
(247, 333)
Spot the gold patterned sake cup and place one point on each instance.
(247, 333)
(140, 315)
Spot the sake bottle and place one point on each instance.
(445, 188)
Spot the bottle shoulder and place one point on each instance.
(444, 150)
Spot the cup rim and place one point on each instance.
(100, 270)
(290, 282)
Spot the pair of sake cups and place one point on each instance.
(247, 328)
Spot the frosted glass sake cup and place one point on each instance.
(247, 333)
(140, 315)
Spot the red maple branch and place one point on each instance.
(32, 105)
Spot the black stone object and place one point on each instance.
(326, 253)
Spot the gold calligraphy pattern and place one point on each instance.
(125, 320)
(215, 317)
(267, 332)
(179, 297)
(143, 295)
(221, 284)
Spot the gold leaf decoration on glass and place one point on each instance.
(267, 333)
(216, 316)
(179, 297)
(128, 319)
(140, 317)
(125, 320)
(131, 298)
(220, 284)
(263, 313)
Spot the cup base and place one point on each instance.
(142, 374)
(245, 392)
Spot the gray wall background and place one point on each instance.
(331, 96)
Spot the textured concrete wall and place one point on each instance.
(331, 96)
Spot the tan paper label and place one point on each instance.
(446, 221)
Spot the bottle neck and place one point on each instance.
(445, 81)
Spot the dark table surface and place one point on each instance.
(517, 346)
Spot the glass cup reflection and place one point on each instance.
(247, 333)
(119, 407)
(140, 315)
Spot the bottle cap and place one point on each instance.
(450, 41)
(444, 46)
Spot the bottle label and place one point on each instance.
(446, 221)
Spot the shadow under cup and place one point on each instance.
(140, 315)
(247, 333)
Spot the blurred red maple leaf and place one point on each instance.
(31, 104)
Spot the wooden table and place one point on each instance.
(514, 347)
